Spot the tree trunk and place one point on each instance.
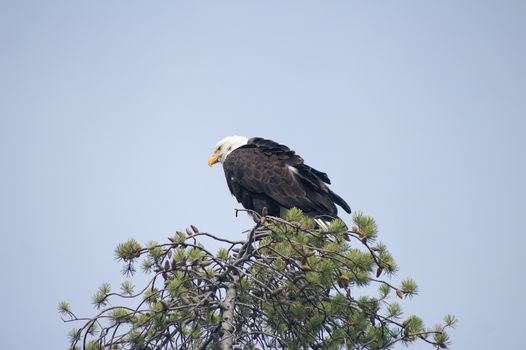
(227, 324)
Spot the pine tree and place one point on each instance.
(288, 285)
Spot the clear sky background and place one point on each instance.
(109, 111)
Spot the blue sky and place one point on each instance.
(110, 109)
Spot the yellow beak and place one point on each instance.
(213, 159)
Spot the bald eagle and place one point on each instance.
(262, 174)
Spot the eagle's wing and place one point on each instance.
(266, 167)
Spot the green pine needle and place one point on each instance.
(337, 226)
(384, 290)
(414, 324)
(120, 315)
(367, 227)
(128, 251)
(409, 287)
(74, 335)
(222, 254)
(64, 308)
(394, 310)
(100, 298)
(127, 287)
(450, 321)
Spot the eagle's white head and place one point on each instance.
(225, 146)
